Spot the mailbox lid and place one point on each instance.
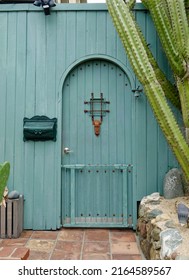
(40, 125)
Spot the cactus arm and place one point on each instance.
(178, 29)
(170, 19)
(183, 87)
(169, 89)
(181, 30)
(178, 15)
(168, 125)
(4, 175)
(139, 59)
(159, 10)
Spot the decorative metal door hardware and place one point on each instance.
(97, 109)
(97, 124)
(137, 92)
(67, 150)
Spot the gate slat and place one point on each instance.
(21, 214)
(125, 189)
(15, 218)
(9, 218)
(3, 222)
(72, 196)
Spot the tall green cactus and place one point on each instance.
(170, 18)
(4, 175)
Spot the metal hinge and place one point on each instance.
(138, 91)
(129, 167)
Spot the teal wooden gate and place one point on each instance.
(95, 168)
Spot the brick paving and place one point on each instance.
(14, 253)
(73, 244)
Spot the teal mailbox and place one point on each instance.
(39, 128)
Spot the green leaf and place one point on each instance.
(4, 175)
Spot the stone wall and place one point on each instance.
(159, 231)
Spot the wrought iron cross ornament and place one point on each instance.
(97, 109)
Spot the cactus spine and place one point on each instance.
(166, 15)
(4, 175)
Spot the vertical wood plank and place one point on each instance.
(91, 39)
(20, 87)
(101, 30)
(89, 127)
(40, 109)
(3, 221)
(15, 218)
(50, 166)
(3, 81)
(125, 192)
(111, 38)
(30, 101)
(112, 116)
(21, 214)
(9, 219)
(81, 34)
(72, 198)
(71, 38)
(10, 92)
(120, 118)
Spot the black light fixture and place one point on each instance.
(46, 5)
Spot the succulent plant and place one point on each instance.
(171, 21)
(4, 175)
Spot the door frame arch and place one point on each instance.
(107, 58)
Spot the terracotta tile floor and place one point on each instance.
(79, 244)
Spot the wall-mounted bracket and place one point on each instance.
(137, 91)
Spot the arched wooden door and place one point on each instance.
(95, 167)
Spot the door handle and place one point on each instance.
(67, 151)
